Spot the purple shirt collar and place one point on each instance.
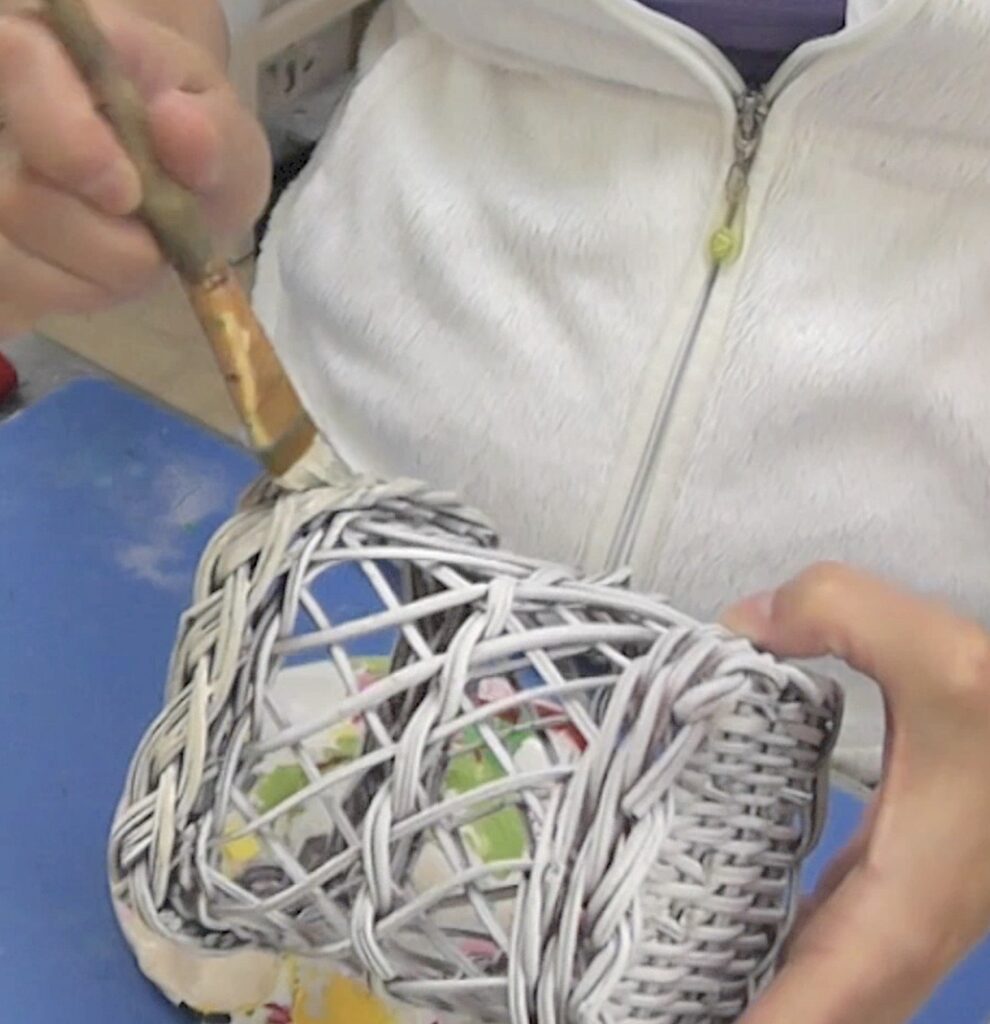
(757, 35)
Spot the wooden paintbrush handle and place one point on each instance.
(278, 428)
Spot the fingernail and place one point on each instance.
(751, 617)
(117, 189)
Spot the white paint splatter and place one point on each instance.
(180, 497)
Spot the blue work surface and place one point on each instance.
(106, 502)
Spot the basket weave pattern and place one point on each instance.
(548, 799)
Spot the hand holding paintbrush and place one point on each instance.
(68, 241)
(277, 428)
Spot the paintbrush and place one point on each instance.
(279, 430)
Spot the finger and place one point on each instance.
(919, 651)
(839, 869)
(187, 139)
(32, 288)
(157, 59)
(891, 917)
(117, 255)
(207, 142)
(53, 123)
(46, 100)
(189, 100)
(860, 960)
(832, 878)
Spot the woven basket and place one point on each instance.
(486, 785)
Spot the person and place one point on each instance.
(720, 319)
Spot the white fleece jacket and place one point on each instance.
(495, 276)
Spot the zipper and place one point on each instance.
(752, 108)
(724, 246)
(727, 242)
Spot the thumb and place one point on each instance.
(860, 960)
(924, 657)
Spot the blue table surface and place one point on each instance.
(106, 502)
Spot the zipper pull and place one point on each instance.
(726, 243)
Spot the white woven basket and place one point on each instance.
(489, 786)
